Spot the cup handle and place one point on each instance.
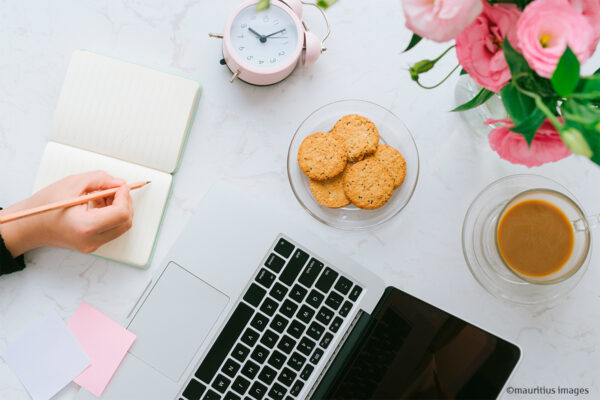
(586, 223)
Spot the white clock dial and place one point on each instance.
(264, 39)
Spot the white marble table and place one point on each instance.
(241, 134)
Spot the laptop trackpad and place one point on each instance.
(174, 320)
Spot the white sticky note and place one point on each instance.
(46, 357)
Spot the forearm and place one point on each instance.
(21, 235)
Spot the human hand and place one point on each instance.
(82, 228)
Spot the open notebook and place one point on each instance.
(130, 121)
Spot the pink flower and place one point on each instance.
(591, 11)
(544, 30)
(545, 147)
(479, 46)
(440, 20)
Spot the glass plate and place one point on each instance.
(391, 131)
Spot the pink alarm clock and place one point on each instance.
(263, 47)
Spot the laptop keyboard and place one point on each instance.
(278, 333)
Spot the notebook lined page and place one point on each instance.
(135, 246)
(124, 110)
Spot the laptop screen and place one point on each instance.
(413, 350)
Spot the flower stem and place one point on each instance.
(440, 82)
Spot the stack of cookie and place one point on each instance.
(349, 165)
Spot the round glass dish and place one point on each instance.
(391, 131)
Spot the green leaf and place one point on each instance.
(326, 3)
(262, 5)
(480, 98)
(516, 62)
(413, 42)
(597, 72)
(517, 105)
(463, 72)
(530, 125)
(566, 75)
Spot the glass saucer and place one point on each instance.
(480, 250)
(391, 131)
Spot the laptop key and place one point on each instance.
(279, 323)
(305, 314)
(298, 293)
(231, 396)
(335, 325)
(293, 267)
(307, 371)
(269, 338)
(297, 388)
(250, 369)
(286, 376)
(278, 292)
(306, 346)
(334, 300)
(296, 328)
(269, 306)
(254, 294)
(267, 375)
(324, 315)
(343, 285)
(250, 337)
(240, 385)
(221, 383)
(346, 307)
(211, 395)
(286, 344)
(277, 359)
(265, 278)
(296, 361)
(194, 390)
(316, 357)
(274, 262)
(311, 272)
(284, 247)
(277, 391)
(259, 322)
(230, 368)
(288, 308)
(227, 338)
(326, 340)
(258, 390)
(259, 354)
(240, 352)
(356, 290)
(315, 298)
(326, 280)
(315, 330)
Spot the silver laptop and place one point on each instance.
(247, 305)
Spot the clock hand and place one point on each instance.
(275, 33)
(262, 38)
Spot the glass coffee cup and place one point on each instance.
(483, 249)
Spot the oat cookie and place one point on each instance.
(330, 192)
(360, 136)
(393, 160)
(368, 184)
(322, 156)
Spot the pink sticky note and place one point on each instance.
(104, 341)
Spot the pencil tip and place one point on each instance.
(147, 182)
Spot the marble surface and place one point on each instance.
(241, 133)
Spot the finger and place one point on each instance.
(114, 233)
(116, 214)
(99, 180)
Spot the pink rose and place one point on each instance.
(440, 20)
(544, 30)
(479, 46)
(545, 147)
(590, 10)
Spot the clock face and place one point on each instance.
(264, 39)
